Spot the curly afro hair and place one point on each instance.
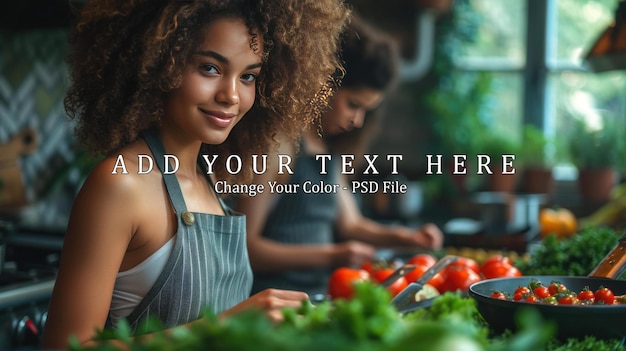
(126, 54)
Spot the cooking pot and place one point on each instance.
(601, 321)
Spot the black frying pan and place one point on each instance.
(601, 321)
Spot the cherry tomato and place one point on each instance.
(534, 283)
(541, 292)
(396, 286)
(550, 300)
(568, 300)
(586, 295)
(422, 259)
(523, 290)
(498, 295)
(531, 298)
(458, 278)
(605, 296)
(342, 280)
(556, 288)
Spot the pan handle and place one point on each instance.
(614, 263)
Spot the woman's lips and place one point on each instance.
(219, 118)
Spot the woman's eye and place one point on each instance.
(249, 77)
(353, 105)
(209, 69)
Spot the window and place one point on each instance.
(534, 49)
(576, 93)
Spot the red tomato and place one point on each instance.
(498, 295)
(550, 300)
(568, 300)
(501, 259)
(467, 262)
(423, 259)
(342, 280)
(497, 270)
(396, 286)
(541, 292)
(437, 281)
(605, 296)
(499, 266)
(531, 298)
(556, 288)
(458, 278)
(374, 265)
(586, 295)
(523, 290)
(368, 266)
(416, 273)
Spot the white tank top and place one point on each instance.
(132, 285)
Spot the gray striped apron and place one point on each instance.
(303, 219)
(208, 267)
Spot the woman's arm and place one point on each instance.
(268, 255)
(100, 228)
(352, 225)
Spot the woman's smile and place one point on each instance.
(218, 118)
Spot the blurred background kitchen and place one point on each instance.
(544, 80)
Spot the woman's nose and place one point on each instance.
(359, 118)
(227, 92)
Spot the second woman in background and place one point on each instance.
(295, 240)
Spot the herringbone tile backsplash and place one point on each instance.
(33, 82)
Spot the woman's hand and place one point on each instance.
(352, 253)
(272, 301)
(428, 236)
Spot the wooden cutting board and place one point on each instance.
(12, 192)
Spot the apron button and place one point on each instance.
(188, 218)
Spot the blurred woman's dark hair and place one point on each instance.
(370, 60)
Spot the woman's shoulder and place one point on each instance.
(124, 174)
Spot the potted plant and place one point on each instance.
(599, 152)
(538, 156)
(496, 146)
(457, 105)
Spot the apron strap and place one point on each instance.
(171, 183)
(227, 210)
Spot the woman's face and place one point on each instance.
(218, 86)
(348, 108)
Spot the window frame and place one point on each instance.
(537, 96)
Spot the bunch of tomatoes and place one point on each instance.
(456, 276)
(557, 293)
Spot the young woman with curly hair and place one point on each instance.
(296, 239)
(172, 77)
